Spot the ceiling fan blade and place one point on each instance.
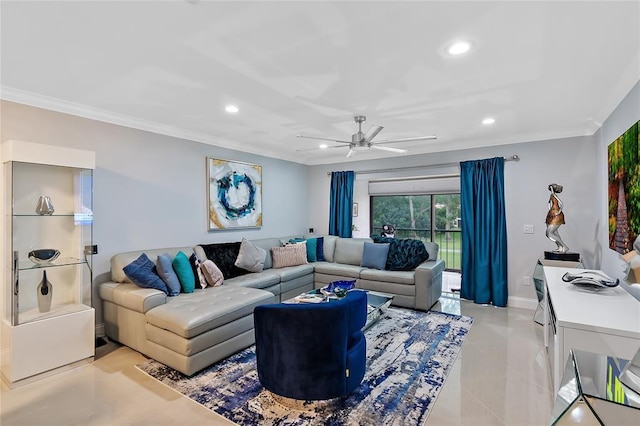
(320, 149)
(373, 131)
(322, 139)
(350, 153)
(419, 138)
(388, 148)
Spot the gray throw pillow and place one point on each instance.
(375, 255)
(251, 257)
(168, 275)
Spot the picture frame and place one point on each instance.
(234, 195)
(355, 209)
(623, 164)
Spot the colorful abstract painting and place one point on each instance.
(624, 190)
(234, 194)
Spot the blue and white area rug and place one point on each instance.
(409, 355)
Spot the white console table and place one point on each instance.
(606, 322)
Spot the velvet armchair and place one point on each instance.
(312, 351)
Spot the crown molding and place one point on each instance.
(80, 110)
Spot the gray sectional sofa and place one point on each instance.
(191, 331)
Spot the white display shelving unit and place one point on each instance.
(35, 342)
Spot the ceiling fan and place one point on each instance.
(364, 142)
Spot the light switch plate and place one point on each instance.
(527, 229)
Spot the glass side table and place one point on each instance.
(591, 393)
(538, 282)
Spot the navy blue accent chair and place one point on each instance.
(312, 351)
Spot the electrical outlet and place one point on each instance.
(527, 229)
(526, 280)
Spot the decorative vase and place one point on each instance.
(44, 206)
(45, 294)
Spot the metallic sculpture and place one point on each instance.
(555, 218)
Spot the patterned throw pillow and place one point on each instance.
(289, 255)
(312, 247)
(211, 273)
(405, 254)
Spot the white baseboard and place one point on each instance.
(100, 330)
(522, 302)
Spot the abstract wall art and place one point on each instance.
(234, 194)
(624, 190)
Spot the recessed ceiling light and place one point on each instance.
(458, 48)
(231, 109)
(323, 146)
(487, 121)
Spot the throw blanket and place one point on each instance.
(405, 254)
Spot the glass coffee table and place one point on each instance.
(377, 303)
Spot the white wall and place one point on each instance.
(621, 119)
(150, 189)
(569, 162)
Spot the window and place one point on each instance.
(413, 216)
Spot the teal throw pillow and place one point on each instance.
(184, 272)
(312, 247)
(375, 255)
(168, 275)
(142, 272)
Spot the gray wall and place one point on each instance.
(150, 189)
(569, 162)
(622, 118)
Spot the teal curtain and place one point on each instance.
(484, 232)
(341, 203)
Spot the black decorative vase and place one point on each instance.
(45, 294)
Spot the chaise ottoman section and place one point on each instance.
(195, 330)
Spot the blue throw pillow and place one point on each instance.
(184, 272)
(168, 275)
(142, 272)
(320, 249)
(375, 255)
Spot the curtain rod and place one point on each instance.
(402, 169)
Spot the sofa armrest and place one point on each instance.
(131, 296)
(428, 282)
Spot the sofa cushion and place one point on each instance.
(432, 249)
(374, 255)
(184, 272)
(264, 280)
(400, 277)
(292, 272)
(120, 260)
(142, 272)
(329, 245)
(251, 257)
(289, 255)
(405, 254)
(339, 269)
(349, 250)
(224, 255)
(266, 244)
(189, 315)
(168, 275)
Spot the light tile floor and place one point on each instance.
(499, 378)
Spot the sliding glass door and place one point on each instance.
(413, 216)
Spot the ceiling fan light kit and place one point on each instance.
(364, 142)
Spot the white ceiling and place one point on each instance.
(541, 69)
